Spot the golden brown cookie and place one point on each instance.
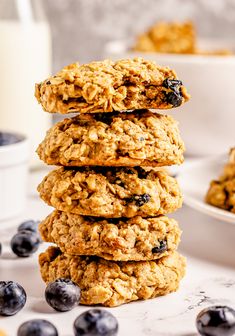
(110, 283)
(109, 86)
(123, 239)
(111, 192)
(168, 37)
(114, 139)
(221, 192)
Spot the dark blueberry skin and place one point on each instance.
(62, 294)
(12, 298)
(30, 225)
(139, 200)
(161, 248)
(95, 322)
(172, 84)
(216, 321)
(37, 327)
(8, 139)
(0, 248)
(25, 243)
(174, 97)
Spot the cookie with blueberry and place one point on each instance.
(108, 86)
(110, 283)
(114, 139)
(124, 239)
(111, 191)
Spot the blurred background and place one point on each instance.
(81, 28)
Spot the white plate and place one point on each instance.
(194, 180)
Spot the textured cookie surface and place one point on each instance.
(221, 192)
(108, 86)
(165, 37)
(112, 239)
(114, 139)
(111, 192)
(112, 283)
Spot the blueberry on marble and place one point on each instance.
(62, 294)
(37, 327)
(12, 298)
(29, 225)
(95, 322)
(25, 243)
(0, 248)
(161, 248)
(216, 321)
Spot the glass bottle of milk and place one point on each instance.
(25, 58)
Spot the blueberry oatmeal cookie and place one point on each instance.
(168, 37)
(123, 239)
(109, 86)
(116, 139)
(110, 283)
(111, 192)
(221, 192)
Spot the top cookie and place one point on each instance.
(109, 86)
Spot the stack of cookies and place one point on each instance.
(110, 193)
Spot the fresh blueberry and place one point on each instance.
(62, 294)
(8, 139)
(12, 298)
(161, 248)
(30, 225)
(0, 248)
(37, 327)
(216, 321)
(25, 243)
(95, 322)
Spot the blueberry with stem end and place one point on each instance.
(95, 322)
(62, 294)
(12, 298)
(216, 321)
(25, 243)
(37, 327)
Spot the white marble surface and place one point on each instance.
(207, 243)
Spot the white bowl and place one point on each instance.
(207, 120)
(13, 177)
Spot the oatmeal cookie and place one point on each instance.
(221, 192)
(123, 239)
(110, 283)
(114, 139)
(168, 37)
(109, 86)
(111, 192)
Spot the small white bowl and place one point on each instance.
(207, 120)
(13, 177)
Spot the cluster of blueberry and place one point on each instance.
(62, 295)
